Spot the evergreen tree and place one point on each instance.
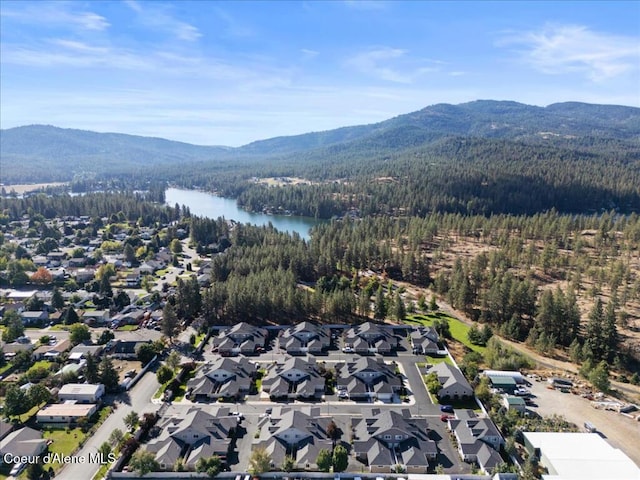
(57, 301)
(399, 310)
(380, 309)
(609, 333)
(108, 375)
(594, 341)
(91, 369)
(169, 322)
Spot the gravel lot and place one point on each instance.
(619, 430)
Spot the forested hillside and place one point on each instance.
(42, 153)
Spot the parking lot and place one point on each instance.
(620, 431)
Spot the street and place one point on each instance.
(138, 400)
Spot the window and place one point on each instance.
(387, 437)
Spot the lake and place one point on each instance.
(208, 205)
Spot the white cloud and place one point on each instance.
(47, 14)
(391, 64)
(157, 16)
(307, 53)
(561, 49)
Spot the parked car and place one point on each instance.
(446, 408)
(444, 417)
(347, 350)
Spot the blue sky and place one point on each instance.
(228, 73)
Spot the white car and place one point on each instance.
(237, 414)
(347, 350)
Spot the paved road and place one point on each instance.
(138, 400)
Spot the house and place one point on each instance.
(5, 428)
(81, 351)
(22, 442)
(65, 412)
(296, 378)
(386, 438)
(81, 392)
(56, 258)
(454, 385)
(50, 352)
(224, 378)
(125, 349)
(133, 279)
(298, 433)
(242, 338)
(478, 439)
(34, 318)
(10, 349)
(367, 379)
(193, 435)
(95, 317)
(424, 340)
(303, 338)
(369, 337)
(83, 275)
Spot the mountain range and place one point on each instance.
(46, 153)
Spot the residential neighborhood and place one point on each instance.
(95, 350)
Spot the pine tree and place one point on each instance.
(593, 333)
(380, 309)
(609, 333)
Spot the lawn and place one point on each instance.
(127, 328)
(8, 366)
(458, 329)
(59, 327)
(64, 441)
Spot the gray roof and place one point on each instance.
(225, 377)
(25, 441)
(451, 378)
(311, 429)
(367, 374)
(380, 430)
(304, 335)
(370, 334)
(196, 434)
(296, 377)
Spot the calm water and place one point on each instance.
(208, 205)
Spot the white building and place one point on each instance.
(81, 392)
(580, 456)
(65, 412)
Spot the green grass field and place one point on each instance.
(64, 442)
(458, 329)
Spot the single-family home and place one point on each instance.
(51, 352)
(25, 441)
(454, 386)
